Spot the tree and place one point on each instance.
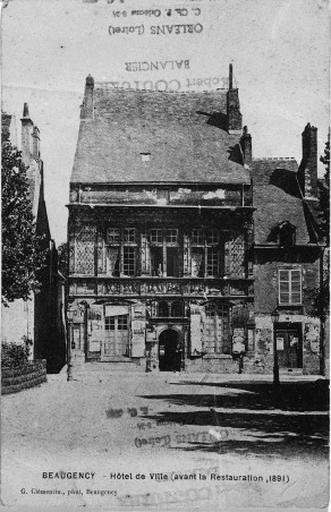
(324, 196)
(62, 259)
(22, 255)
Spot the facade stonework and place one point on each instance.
(175, 261)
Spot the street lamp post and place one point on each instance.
(70, 317)
(275, 318)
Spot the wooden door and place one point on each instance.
(289, 347)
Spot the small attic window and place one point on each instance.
(286, 234)
(145, 157)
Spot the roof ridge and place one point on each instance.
(108, 86)
(268, 158)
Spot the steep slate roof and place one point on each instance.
(277, 198)
(183, 132)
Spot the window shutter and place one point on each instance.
(186, 255)
(296, 287)
(145, 255)
(138, 329)
(290, 286)
(101, 252)
(284, 286)
(195, 330)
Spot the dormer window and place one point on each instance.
(145, 157)
(286, 234)
(283, 234)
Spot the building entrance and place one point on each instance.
(169, 351)
(289, 345)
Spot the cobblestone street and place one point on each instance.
(112, 422)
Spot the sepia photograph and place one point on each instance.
(165, 255)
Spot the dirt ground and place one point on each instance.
(125, 427)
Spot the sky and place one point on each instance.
(279, 50)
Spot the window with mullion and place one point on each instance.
(129, 260)
(212, 262)
(129, 235)
(290, 286)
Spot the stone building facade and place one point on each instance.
(288, 261)
(164, 272)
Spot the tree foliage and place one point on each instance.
(324, 196)
(22, 253)
(62, 255)
(324, 206)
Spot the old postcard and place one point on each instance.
(165, 255)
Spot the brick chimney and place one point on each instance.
(307, 173)
(36, 143)
(246, 147)
(234, 116)
(87, 109)
(26, 141)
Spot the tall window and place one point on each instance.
(129, 261)
(164, 251)
(212, 261)
(113, 251)
(121, 251)
(290, 286)
(205, 253)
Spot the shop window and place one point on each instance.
(129, 261)
(290, 287)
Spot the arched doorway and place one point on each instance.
(169, 351)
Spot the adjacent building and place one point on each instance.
(181, 245)
(288, 260)
(41, 318)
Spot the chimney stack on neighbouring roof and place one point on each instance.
(246, 146)
(234, 116)
(87, 107)
(36, 143)
(26, 141)
(307, 173)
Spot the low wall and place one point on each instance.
(28, 376)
